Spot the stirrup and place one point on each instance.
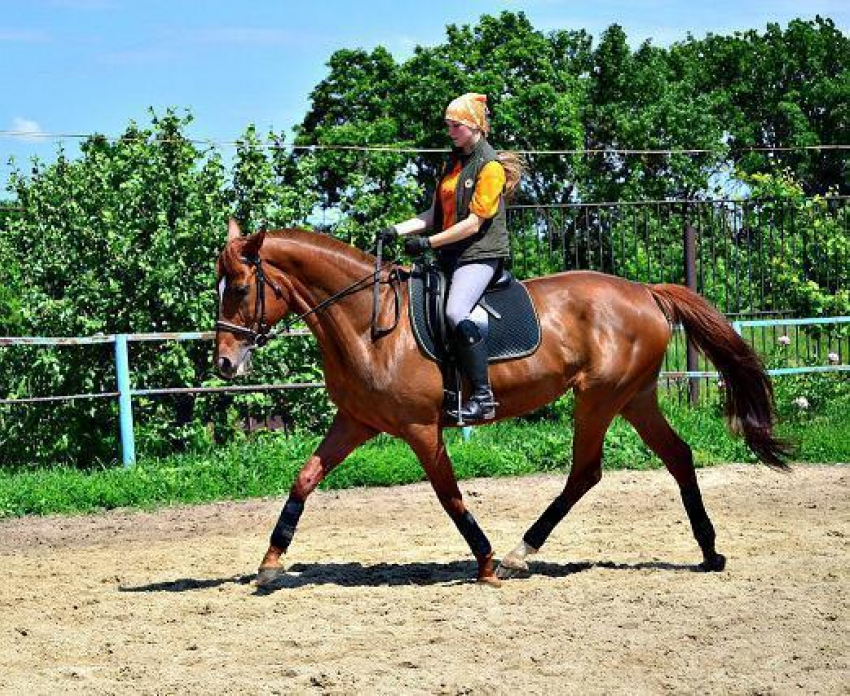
(477, 409)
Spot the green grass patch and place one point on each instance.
(266, 464)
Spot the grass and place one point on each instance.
(266, 464)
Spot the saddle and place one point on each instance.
(505, 315)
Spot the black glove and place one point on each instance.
(416, 246)
(388, 235)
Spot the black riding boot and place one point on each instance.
(471, 354)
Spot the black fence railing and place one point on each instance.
(756, 259)
(749, 258)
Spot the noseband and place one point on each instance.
(261, 335)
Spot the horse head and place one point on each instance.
(252, 298)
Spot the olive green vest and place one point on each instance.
(491, 240)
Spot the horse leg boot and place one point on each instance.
(591, 423)
(515, 563)
(702, 528)
(477, 541)
(646, 417)
(344, 435)
(427, 443)
(471, 353)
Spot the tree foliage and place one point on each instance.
(123, 238)
(780, 89)
(559, 91)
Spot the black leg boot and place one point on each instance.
(471, 353)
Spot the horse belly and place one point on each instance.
(525, 385)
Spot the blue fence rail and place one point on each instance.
(125, 392)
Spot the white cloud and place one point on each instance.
(26, 129)
(240, 36)
(143, 56)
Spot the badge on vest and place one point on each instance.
(468, 183)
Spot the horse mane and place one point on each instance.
(232, 257)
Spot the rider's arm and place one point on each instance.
(421, 223)
(460, 230)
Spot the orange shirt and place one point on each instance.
(485, 200)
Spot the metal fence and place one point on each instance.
(752, 259)
(125, 392)
(748, 258)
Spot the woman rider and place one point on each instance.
(469, 234)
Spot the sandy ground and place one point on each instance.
(379, 599)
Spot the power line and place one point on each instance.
(271, 144)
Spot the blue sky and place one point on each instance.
(83, 66)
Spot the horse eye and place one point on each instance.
(240, 290)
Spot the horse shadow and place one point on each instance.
(355, 574)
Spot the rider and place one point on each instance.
(469, 234)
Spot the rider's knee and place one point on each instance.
(467, 332)
(453, 317)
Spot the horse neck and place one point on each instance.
(317, 270)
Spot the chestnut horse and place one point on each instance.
(602, 336)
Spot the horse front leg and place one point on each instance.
(427, 443)
(345, 435)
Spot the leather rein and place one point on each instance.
(262, 333)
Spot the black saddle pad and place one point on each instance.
(515, 334)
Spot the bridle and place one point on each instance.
(262, 333)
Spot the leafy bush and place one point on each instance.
(124, 240)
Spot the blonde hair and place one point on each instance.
(515, 166)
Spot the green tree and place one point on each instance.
(645, 101)
(780, 89)
(535, 95)
(121, 240)
(10, 305)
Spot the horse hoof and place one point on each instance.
(489, 581)
(268, 575)
(512, 568)
(713, 565)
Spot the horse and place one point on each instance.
(604, 337)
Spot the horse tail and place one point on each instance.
(748, 405)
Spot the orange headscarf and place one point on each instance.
(471, 110)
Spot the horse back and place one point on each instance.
(598, 296)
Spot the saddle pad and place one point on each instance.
(516, 335)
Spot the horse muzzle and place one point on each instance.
(230, 367)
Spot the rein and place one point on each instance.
(376, 330)
(263, 333)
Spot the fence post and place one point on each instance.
(692, 357)
(125, 401)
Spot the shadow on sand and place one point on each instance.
(392, 574)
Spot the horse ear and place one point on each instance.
(253, 244)
(233, 230)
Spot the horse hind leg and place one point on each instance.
(593, 413)
(646, 417)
